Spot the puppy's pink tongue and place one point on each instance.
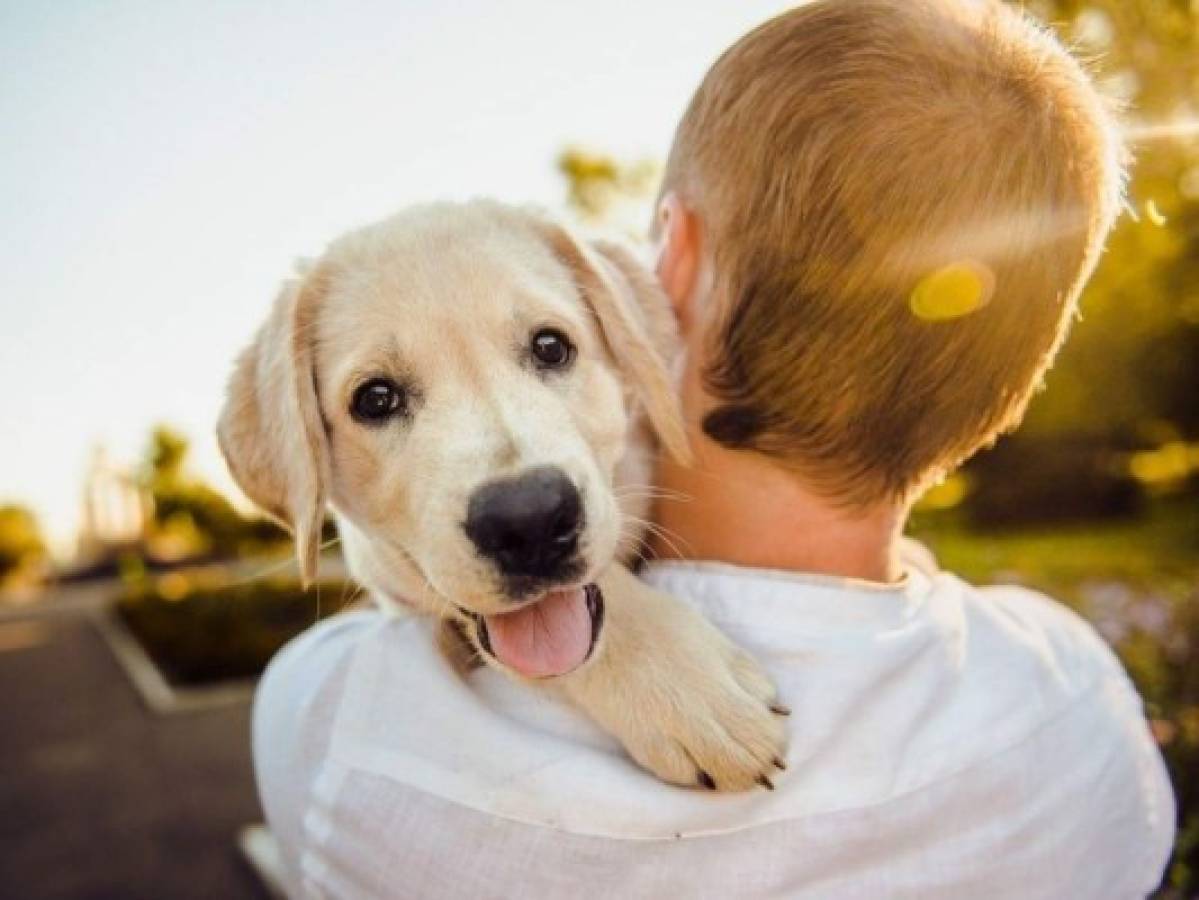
(549, 637)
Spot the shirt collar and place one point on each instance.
(775, 598)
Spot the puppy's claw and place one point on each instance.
(765, 782)
(780, 710)
(707, 780)
(779, 764)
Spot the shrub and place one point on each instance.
(202, 633)
(1026, 480)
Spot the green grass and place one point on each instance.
(1156, 554)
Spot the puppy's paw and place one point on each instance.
(714, 722)
(688, 704)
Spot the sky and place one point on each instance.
(162, 164)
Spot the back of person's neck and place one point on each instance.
(739, 507)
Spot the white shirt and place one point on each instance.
(946, 741)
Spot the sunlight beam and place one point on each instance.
(1149, 132)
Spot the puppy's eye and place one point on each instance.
(551, 349)
(377, 400)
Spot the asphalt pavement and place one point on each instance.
(101, 798)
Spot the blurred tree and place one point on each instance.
(21, 544)
(1126, 383)
(190, 518)
(166, 453)
(602, 189)
(1131, 366)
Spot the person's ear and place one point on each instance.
(270, 430)
(679, 259)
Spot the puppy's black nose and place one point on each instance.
(528, 525)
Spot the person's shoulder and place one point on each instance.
(327, 638)
(307, 661)
(1088, 755)
(1051, 658)
(302, 687)
(1021, 663)
(1065, 644)
(298, 701)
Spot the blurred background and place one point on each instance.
(162, 165)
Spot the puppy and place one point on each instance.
(476, 394)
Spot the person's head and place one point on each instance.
(875, 221)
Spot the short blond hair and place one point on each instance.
(840, 154)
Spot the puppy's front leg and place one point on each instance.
(686, 703)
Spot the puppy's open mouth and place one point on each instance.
(551, 636)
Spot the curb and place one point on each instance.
(151, 685)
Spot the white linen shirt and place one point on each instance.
(946, 742)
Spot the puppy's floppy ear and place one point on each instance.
(635, 319)
(270, 429)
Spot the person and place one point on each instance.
(876, 220)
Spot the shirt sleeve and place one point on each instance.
(294, 708)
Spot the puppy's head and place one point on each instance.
(459, 383)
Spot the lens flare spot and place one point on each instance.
(953, 291)
(1154, 215)
(1172, 462)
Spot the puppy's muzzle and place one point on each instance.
(528, 526)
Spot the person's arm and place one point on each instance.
(294, 708)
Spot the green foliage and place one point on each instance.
(600, 188)
(165, 455)
(1132, 363)
(1059, 478)
(203, 633)
(191, 518)
(21, 541)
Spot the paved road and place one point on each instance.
(100, 798)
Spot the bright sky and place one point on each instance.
(162, 164)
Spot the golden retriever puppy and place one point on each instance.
(476, 393)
